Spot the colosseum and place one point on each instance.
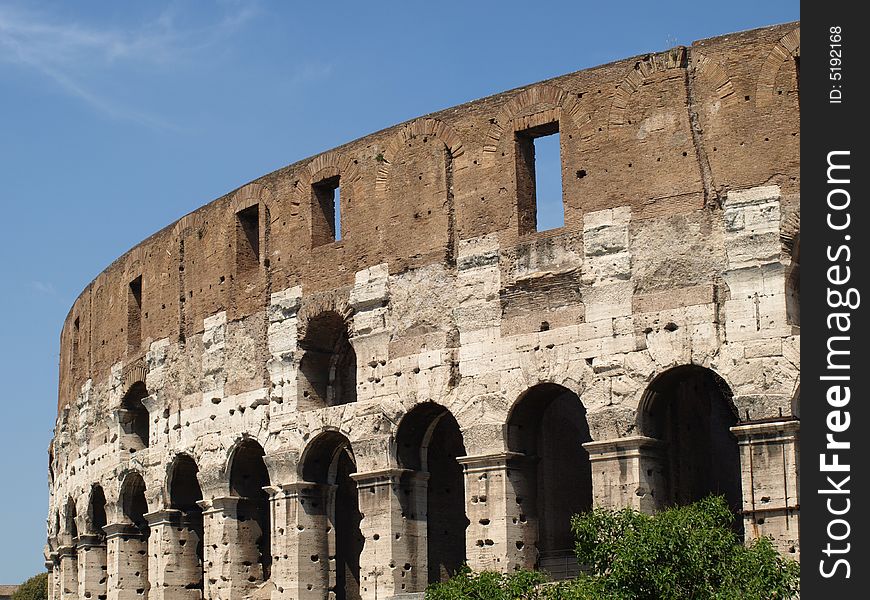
(351, 376)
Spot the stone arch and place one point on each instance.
(183, 494)
(716, 76)
(328, 462)
(562, 105)
(328, 365)
(546, 429)
(428, 442)
(248, 475)
(675, 58)
(131, 533)
(788, 47)
(426, 127)
(690, 409)
(96, 515)
(134, 418)
(71, 528)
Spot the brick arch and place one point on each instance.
(675, 58)
(249, 195)
(323, 303)
(561, 102)
(788, 47)
(716, 75)
(421, 127)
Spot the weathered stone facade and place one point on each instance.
(249, 407)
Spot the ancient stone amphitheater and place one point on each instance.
(353, 375)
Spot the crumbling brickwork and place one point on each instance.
(258, 402)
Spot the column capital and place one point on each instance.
(114, 530)
(627, 447)
(479, 462)
(65, 551)
(220, 504)
(770, 429)
(165, 516)
(91, 540)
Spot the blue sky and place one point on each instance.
(116, 118)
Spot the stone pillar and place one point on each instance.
(69, 573)
(770, 463)
(126, 562)
(174, 569)
(232, 559)
(92, 566)
(303, 541)
(53, 566)
(629, 472)
(393, 505)
(501, 535)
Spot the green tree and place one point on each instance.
(35, 588)
(682, 553)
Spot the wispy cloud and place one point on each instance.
(43, 287)
(68, 53)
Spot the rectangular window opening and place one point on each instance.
(75, 340)
(248, 238)
(539, 179)
(134, 315)
(326, 211)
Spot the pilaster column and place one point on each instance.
(628, 472)
(393, 505)
(69, 574)
(53, 566)
(304, 541)
(769, 464)
(126, 562)
(232, 560)
(501, 535)
(92, 566)
(174, 569)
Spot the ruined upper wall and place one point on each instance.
(667, 133)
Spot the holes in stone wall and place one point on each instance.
(690, 409)
(134, 315)
(326, 211)
(248, 477)
(547, 426)
(248, 238)
(539, 178)
(328, 365)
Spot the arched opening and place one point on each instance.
(429, 440)
(134, 417)
(248, 477)
(72, 529)
(690, 408)
(329, 363)
(547, 427)
(184, 495)
(133, 540)
(97, 513)
(329, 461)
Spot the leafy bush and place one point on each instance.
(688, 552)
(35, 588)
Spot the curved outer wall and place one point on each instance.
(680, 176)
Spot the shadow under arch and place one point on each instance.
(333, 513)
(131, 536)
(691, 410)
(248, 476)
(328, 364)
(546, 428)
(184, 494)
(428, 443)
